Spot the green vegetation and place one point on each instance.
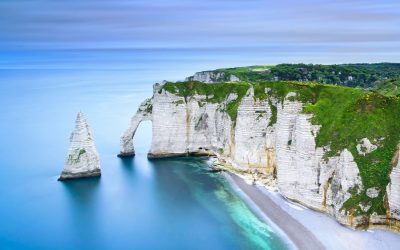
(179, 102)
(352, 75)
(81, 152)
(248, 74)
(71, 159)
(149, 108)
(346, 114)
(215, 93)
(389, 87)
(274, 114)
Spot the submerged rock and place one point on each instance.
(82, 158)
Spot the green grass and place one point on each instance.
(248, 73)
(346, 114)
(274, 114)
(389, 87)
(215, 93)
(352, 75)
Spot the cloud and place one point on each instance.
(97, 24)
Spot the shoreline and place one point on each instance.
(291, 230)
(306, 228)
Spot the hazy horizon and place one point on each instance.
(269, 33)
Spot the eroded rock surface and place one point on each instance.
(393, 189)
(272, 141)
(143, 113)
(365, 147)
(82, 158)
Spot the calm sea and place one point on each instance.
(137, 203)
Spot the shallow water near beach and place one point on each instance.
(136, 204)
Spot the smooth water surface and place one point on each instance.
(136, 204)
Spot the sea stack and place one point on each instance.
(82, 158)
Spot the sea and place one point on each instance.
(137, 203)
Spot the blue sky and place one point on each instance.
(334, 30)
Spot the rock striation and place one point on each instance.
(393, 189)
(271, 140)
(82, 158)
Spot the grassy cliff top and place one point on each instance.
(390, 87)
(352, 75)
(346, 114)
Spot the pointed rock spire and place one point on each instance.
(82, 158)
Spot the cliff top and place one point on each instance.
(346, 115)
(352, 75)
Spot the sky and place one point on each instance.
(337, 31)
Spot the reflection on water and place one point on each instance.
(82, 191)
(127, 165)
(83, 202)
(137, 204)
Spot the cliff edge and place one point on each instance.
(330, 148)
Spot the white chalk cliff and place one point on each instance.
(82, 158)
(212, 77)
(393, 189)
(279, 148)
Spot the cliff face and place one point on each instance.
(271, 138)
(82, 158)
(393, 189)
(212, 77)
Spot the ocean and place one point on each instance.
(170, 203)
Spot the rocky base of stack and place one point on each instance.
(126, 155)
(88, 174)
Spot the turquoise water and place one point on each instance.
(137, 203)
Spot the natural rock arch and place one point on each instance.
(144, 113)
